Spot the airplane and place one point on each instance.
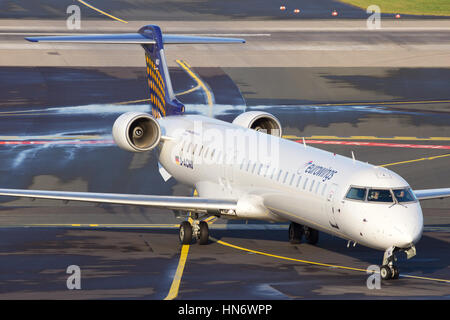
(246, 170)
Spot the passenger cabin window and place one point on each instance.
(312, 185)
(272, 172)
(279, 175)
(379, 195)
(356, 194)
(298, 181)
(285, 177)
(267, 171)
(323, 189)
(260, 168)
(304, 184)
(404, 195)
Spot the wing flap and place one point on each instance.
(167, 202)
(428, 194)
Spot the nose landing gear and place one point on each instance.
(390, 271)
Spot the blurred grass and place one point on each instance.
(415, 7)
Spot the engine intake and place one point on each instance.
(259, 121)
(136, 132)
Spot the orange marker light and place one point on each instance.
(296, 10)
(334, 13)
(282, 8)
(397, 16)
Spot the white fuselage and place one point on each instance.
(290, 182)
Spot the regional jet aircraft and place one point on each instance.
(246, 170)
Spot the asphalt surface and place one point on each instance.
(67, 109)
(281, 44)
(186, 10)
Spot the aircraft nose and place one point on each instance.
(409, 230)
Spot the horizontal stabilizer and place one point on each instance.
(135, 38)
(124, 38)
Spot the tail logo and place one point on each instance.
(157, 87)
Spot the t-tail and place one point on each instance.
(150, 37)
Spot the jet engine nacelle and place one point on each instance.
(259, 121)
(136, 132)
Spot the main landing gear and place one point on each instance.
(297, 231)
(198, 230)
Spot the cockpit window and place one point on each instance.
(404, 195)
(379, 195)
(356, 194)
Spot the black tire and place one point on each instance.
(204, 233)
(295, 233)
(185, 232)
(395, 272)
(385, 273)
(311, 235)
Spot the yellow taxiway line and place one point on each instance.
(175, 286)
(173, 292)
(315, 263)
(188, 69)
(101, 11)
(415, 160)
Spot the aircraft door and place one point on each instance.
(331, 206)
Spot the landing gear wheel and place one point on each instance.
(395, 272)
(385, 273)
(311, 235)
(185, 232)
(204, 233)
(295, 233)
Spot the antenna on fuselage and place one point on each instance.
(353, 157)
(304, 143)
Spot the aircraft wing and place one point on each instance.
(196, 204)
(428, 194)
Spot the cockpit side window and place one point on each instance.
(404, 195)
(379, 195)
(356, 194)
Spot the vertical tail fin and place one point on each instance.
(162, 97)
